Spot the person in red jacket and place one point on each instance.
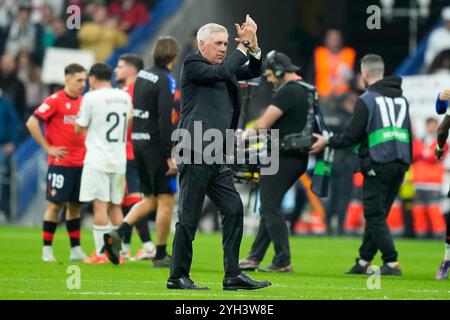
(130, 13)
(428, 175)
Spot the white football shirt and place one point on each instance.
(105, 114)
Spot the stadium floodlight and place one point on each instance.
(424, 8)
(388, 7)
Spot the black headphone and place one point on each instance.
(273, 64)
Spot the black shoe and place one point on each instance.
(183, 283)
(359, 269)
(243, 282)
(248, 265)
(113, 245)
(385, 270)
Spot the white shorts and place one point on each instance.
(103, 186)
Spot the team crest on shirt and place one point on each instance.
(43, 108)
(53, 192)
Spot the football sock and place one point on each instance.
(48, 232)
(160, 251)
(123, 229)
(127, 232)
(447, 252)
(143, 231)
(73, 230)
(99, 231)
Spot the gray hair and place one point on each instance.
(205, 32)
(373, 64)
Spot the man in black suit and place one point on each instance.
(210, 97)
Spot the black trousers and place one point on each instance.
(340, 196)
(272, 227)
(379, 193)
(215, 181)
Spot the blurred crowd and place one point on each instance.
(27, 30)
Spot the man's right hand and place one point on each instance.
(57, 152)
(444, 95)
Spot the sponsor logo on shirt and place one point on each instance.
(148, 76)
(140, 136)
(69, 119)
(43, 108)
(141, 114)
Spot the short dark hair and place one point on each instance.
(101, 71)
(73, 68)
(133, 60)
(166, 49)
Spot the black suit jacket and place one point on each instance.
(211, 94)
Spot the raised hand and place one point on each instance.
(444, 95)
(247, 31)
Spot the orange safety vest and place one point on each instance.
(328, 68)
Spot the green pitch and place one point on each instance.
(319, 265)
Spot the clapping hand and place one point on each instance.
(247, 31)
(444, 95)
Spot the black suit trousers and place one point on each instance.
(215, 181)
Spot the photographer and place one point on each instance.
(287, 113)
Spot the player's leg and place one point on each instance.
(138, 212)
(444, 269)
(166, 203)
(95, 188)
(101, 224)
(73, 226)
(132, 197)
(51, 218)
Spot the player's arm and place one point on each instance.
(442, 136)
(79, 129)
(83, 119)
(34, 127)
(165, 106)
(442, 102)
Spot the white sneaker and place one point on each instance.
(47, 254)
(147, 252)
(77, 254)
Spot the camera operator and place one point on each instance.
(288, 113)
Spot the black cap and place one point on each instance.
(275, 59)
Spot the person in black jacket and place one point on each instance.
(288, 114)
(382, 126)
(210, 97)
(153, 104)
